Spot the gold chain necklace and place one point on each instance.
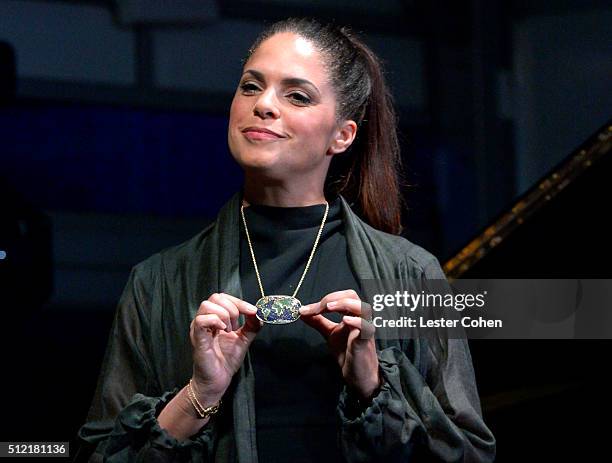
(280, 309)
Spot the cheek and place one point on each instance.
(315, 132)
(238, 109)
(233, 112)
(233, 123)
(313, 129)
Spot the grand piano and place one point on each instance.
(548, 399)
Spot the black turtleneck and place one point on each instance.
(297, 381)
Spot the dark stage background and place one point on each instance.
(113, 146)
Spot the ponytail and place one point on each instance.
(372, 180)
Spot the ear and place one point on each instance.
(343, 137)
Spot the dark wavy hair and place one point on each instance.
(368, 173)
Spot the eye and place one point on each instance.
(248, 87)
(300, 98)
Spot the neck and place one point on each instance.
(282, 194)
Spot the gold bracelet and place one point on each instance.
(202, 412)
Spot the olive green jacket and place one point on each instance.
(428, 406)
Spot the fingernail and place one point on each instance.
(304, 309)
(332, 304)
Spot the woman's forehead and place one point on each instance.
(287, 56)
(288, 53)
(290, 43)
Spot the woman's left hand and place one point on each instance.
(356, 354)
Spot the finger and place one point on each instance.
(203, 328)
(250, 328)
(346, 306)
(225, 302)
(317, 308)
(366, 328)
(354, 322)
(350, 293)
(320, 323)
(221, 312)
(207, 322)
(311, 309)
(243, 306)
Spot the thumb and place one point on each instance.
(320, 323)
(250, 328)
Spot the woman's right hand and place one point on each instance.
(219, 343)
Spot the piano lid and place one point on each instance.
(558, 229)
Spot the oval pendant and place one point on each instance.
(278, 310)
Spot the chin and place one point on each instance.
(252, 155)
(251, 159)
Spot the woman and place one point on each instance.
(190, 364)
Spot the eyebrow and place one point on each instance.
(286, 81)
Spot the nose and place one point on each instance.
(266, 105)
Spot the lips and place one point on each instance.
(261, 130)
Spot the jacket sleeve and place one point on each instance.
(122, 425)
(431, 415)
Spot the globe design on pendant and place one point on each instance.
(278, 309)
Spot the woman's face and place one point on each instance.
(285, 89)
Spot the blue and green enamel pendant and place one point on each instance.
(278, 310)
